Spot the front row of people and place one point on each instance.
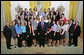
(55, 32)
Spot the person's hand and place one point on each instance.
(71, 34)
(38, 33)
(54, 34)
(27, 35)
(45, 33)
(33, 34)
(18, 35)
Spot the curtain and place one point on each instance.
(46, 4)
(7, 10)
(33, 4)
(73, 9)
(82, 21)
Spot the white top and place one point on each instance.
(66, 26)
(40, 17)
(46, 21)
(58, 27)
(36, 13)
(63, 27)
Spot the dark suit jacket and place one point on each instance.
(71, 29)
(40, 27)
(7, 31)
(77, 31)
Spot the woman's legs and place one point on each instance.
(66, 41)
(54, 41)
(24, 43)
(14, 42)
(49, 41)
(57, 43)
(61, 42)
(34, 41)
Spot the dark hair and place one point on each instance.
(71, 19)
(62, 14)
(30, 9)
(61, 21)
(18, 23)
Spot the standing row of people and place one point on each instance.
(32, 28)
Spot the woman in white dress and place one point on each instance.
(66, 32)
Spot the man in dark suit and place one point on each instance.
(42, 32)
(71, 30)
(7, 33)
(76, 34)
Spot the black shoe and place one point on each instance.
(11, 45)
(43, 46)
(8, 48)
(69, 45)
(14, 46)
(75, 45)
(39, 45)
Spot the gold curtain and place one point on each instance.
(46, 4)
(73, 9)
(33, 4)
(7, 10)
(82, 21)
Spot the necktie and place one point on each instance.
(75, 27)
(42, 25)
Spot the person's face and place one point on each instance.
(49, 20)
(54, 16)
(53, 22)
(48, 16)
(57, 22)
(48, 10)
(74, 19)
(62, 22)
(45, 18)
(35, 8)
(23, 13)
(51, 13)
(32, 16)
(8, 23)
(42, 19)
(66, 22)
(76, 23)
(13, 22)
(23, 23)
(56, 11)
(26, 9)
(44, 10)
(26, 22)
(70, 21)
(16, 16)
(19, 13)
(18, 21)
(62, 15)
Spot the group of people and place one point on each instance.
(32, 28)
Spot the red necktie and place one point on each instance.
(42, 25)
(75, 27)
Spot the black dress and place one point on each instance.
(29, 36)
(49, 35)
